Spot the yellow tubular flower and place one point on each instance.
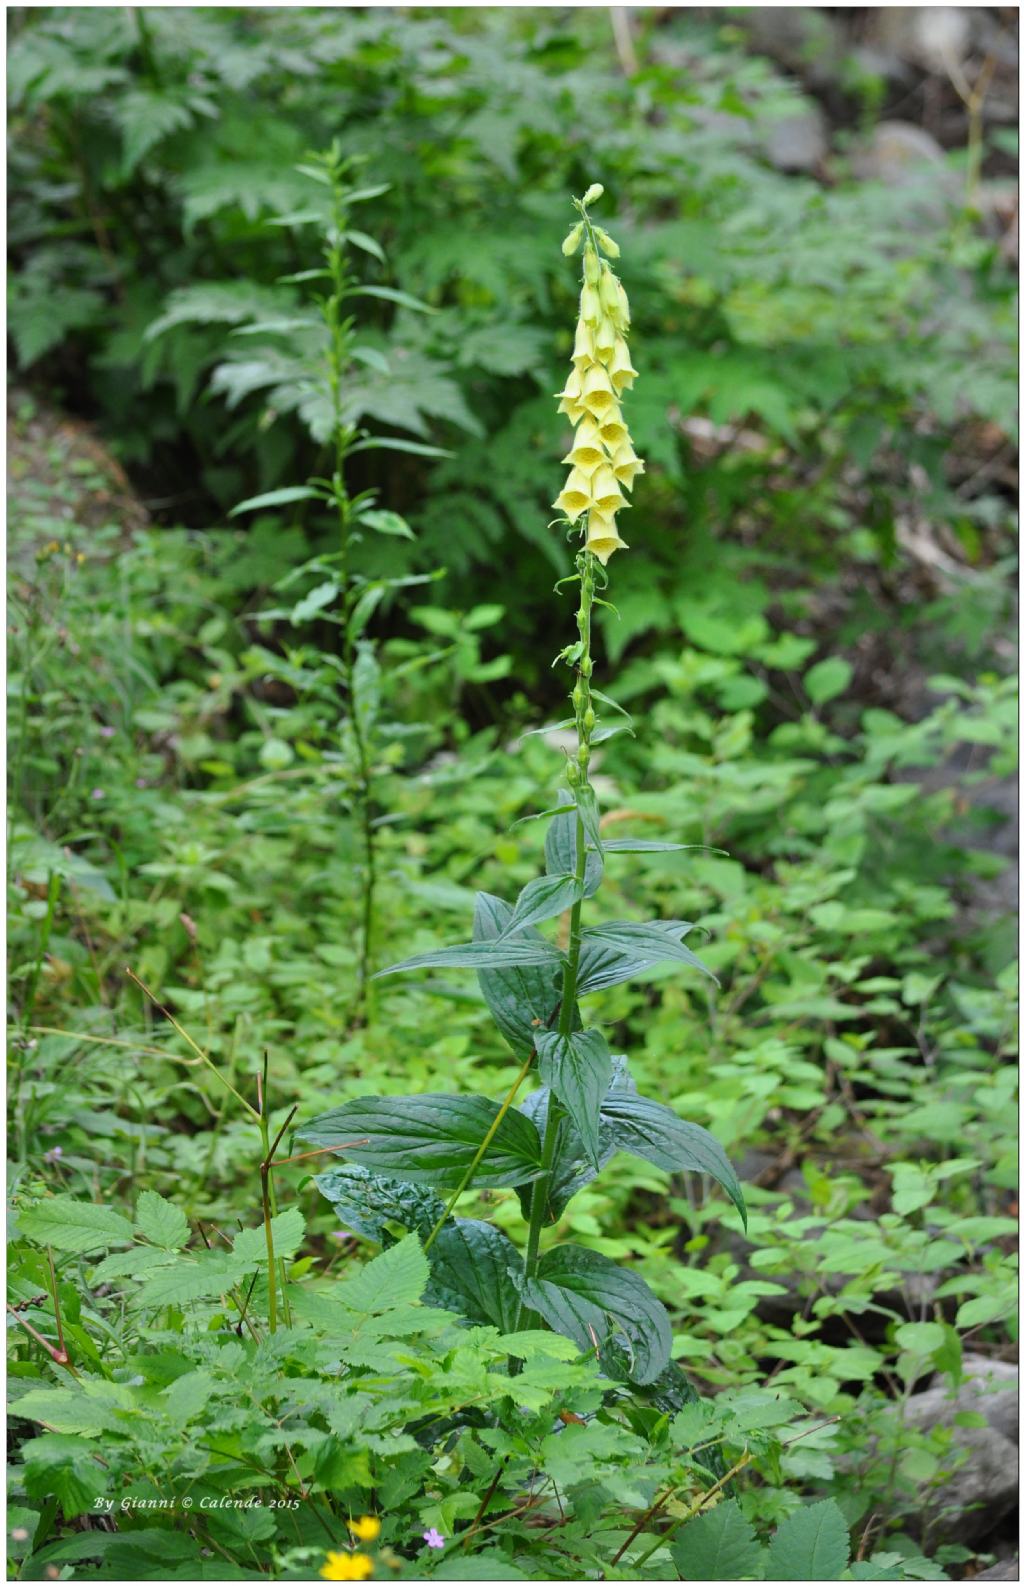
(366, 1528)
(613, 431)
(583, 352)
(590, 305)
(587, 450)
(575, 498)
(621, 369)
(604, 338)
(605, 492)
(603, 537)
(626, 464)
(598, 394)
(347, 1566)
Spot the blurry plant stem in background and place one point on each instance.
(342, 437)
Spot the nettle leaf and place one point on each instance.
(367, 1202)
(612, 953)
(498, 954)
(161, 1222)
(560, 851)
(396, 1277)
(430, 1139)
(471, 1266)
(523, 998)
(586, 1297)
(73, 1225)
(811, 1544)
(542, 899)
(578, 1069)
(720, 1545)
(649, 1130)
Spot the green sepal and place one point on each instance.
(590, 1299)
(430, 1139)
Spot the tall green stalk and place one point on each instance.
(342, 438)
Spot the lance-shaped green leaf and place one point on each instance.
(560, 850)
(471, 1267)
(505, 953)
(590, 1300)
(523, 998)
(279, 498)
(590, 815)
(646, 845)
(578, 1069)
(571, 1168)
(542, 900)
(368, 1202)
(430, 1139)
(612, 953)
(646, 1129)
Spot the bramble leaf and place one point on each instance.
(813, 1543)
(719, 1545)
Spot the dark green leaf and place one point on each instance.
(813, 1543)
(430, 1139)
(367, 1202)
(391, 294)
(612, 953)
(387, 523)
(523, 998)
(542, 900)
(719, 1545)
(520, 949)
(395, 443)
(470, 1272)
(647, 1129)
(578, 1069)
(278, 498)
(590, 815)
(560, 851)
(585, 1296)
(571, 1168)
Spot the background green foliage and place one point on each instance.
(810, 633)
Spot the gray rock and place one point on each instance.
(798, 142)
(973, 1498)
(1005, 1569)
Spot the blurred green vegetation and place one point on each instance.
(811, 631)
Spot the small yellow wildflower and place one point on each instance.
(603, 537)
(366, 1528)
(347, 1566)
(575, 498)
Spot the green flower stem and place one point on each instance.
(337, 362)
(578, 777)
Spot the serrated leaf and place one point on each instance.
(66, 1410)
(543, 899)
(647, 1129)
(498, 954)
(287, 1228)
(471, 1266)
(719, 1545)
(62, 1466)
(396, 1277)
(584, 1296)
(277, 498)
(578, 1069)
(207, 1277)
(73, 1225)
(430, 1139)
(161, 1222)
(367, 1202)
(813, 1543)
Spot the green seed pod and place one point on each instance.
(579, 697)
(572, 774)
(609, 245)
(584, 755)
(591, 265)
(586, 666)
(593, 193)
(589, 719)
(572, 241)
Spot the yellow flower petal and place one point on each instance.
(620, 369)
(572, 408)
(604, 491)
(598, 395)
(366, 1528)
(347, 1566)
(575, 498)
(626, 464)
(612, 430)
(587, 451)
(583, 353)
(603, 538)
(604, 338)
(590, 305)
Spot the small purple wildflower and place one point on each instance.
(433, 1538)
(97, 793)
(140, 781)
(54, 1154)
(107, 732)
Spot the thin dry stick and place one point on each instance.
(203, 1056)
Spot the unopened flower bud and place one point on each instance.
(590, 305)
(572, 774)
(572, 241)
(586, 666)
(583, 754)
(608, 244)
(589, 719)
(607, 292)
(593, 193)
